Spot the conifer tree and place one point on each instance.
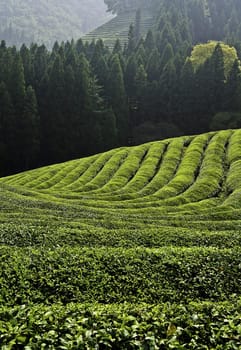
(17, 84)
(99, 51)
(140, 87)
(218, 79)
(29, 131)
(131, 41)
(71, 136)
(140, 78)
(27, 64)
(79, 46)
(168, 87)
(149, 43)
(117, 48)
(54, 118)
(167, 36)
(109, 129)
(40, 63)
(130, 74)
(167, 55)
(233, 88)
(101, 71)
(153, 66)
(118, 99)
(8, 132)
(187, 88)
(141, 54)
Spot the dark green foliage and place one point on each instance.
(134, 248)
(233, 88)
(153, 66)
(29, 130)
(87, 93)
(165, 326)
(149, 43)
(17, 84)
(131, 40)
(114, 276)
(8, 130)
(130, 74)
(217, 79)
(225, 119)
(118, 99)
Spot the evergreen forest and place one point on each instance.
(82, 98)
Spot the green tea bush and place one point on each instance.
(92, 171)
(187, 170)
(209, 181)
(107, 172)
(157, 224)
(122, 327)
(127, 170)
(117, 275)
(143, 176)
(168, 167)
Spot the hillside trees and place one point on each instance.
(217, 78)
(118, 99)
(8, 130)
(61, 116)
(233, 88)
(82, 98)
(28, 132)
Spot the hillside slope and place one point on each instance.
(118, 27)
(195, 20)
(47, 21)
(134, 248)
(184, 174)
(173, 174)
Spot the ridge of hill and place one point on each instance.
(141, 244)
(137, 177)
(196, 20)
(49, 21)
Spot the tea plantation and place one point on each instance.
(134, 248)
(118, 28)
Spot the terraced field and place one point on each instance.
(118, 28)
(135, 248)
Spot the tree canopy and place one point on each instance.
(82, 98)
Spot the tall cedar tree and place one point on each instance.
(118, 99)
(29, 130)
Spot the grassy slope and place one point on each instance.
(149, 224)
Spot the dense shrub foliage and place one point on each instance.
(127, 326)
(118, 275)
(135, 248)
